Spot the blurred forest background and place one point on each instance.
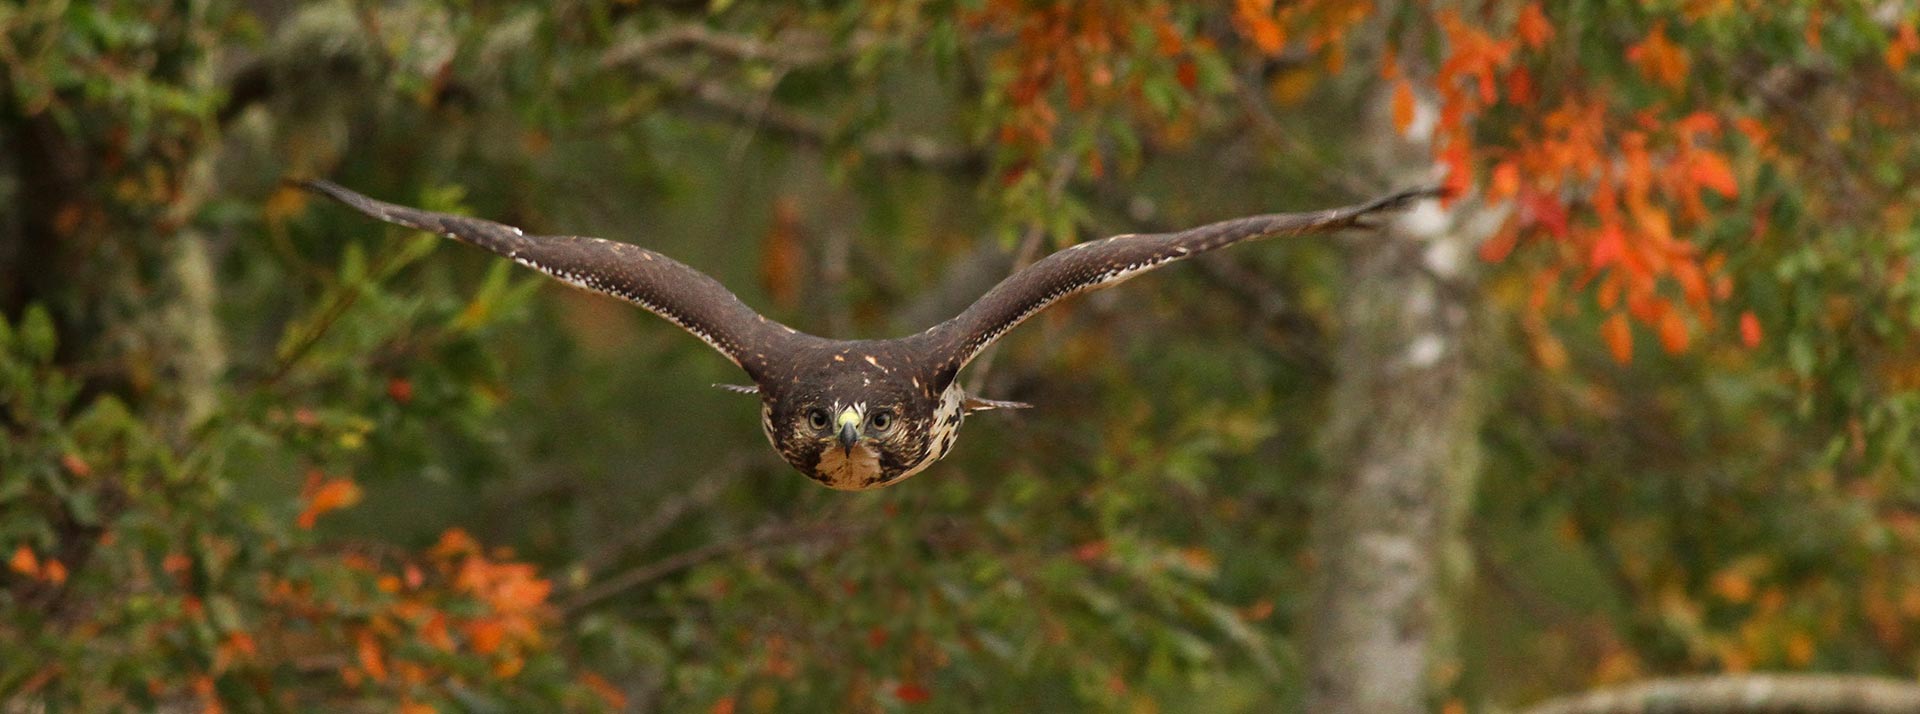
(1635, 416)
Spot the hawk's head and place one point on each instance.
(855, 421)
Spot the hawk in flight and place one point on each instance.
(855, 414)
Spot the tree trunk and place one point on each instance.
(1402, 443)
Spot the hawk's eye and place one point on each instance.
(881, 420)
(817, 418)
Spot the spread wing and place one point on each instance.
(664, 286)
(1103, 263)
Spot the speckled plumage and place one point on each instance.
(905, 402)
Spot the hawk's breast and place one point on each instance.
(855, 469)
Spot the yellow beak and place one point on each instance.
(849, 422)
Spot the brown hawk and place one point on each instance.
(854, 414)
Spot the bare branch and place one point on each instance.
(669, 512)
(1746, 694)
(772, 536)
(798, 127)
(794, 48)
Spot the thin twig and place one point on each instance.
(665, 515)
(791, 49)
(801, 128)
(779, 535)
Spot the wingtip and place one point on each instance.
(323, 187)
(975, 404)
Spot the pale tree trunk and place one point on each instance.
(1402, 445)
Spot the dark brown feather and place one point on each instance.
(1103, 263)
(684, 296)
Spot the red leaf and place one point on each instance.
(1542, 210)
(1534, 28)
(912, 693)
(1519, 86)
(1459, 176)
(1090, 551)
(400, 390)
(1749, 330)
(1608, 247)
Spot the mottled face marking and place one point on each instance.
(864, 426)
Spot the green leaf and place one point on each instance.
(37, 340)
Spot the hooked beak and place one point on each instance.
(849, 429)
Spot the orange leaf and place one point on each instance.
(367, 651)
(1402, 105)
(1549, 351)
(1497, 248)
(1800, 649)
(76, 465)
(1699, 123)
(1905, 42)
(1533, 27)
(1506, 181)
(1733, 585)
(411, 707)
(1659, 59)
(508, 667)
(485, 635)
(1673, 331)
(454, 542)
(24, 562)
(1711, 170)
(1810, 31)
(1749, 330)
(1608, 248)
(54, 571)
(1619, 337)
(327, 495)
(1255, 19)
(724, 706)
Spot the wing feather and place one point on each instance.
(664, 286)
(1107, 262)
